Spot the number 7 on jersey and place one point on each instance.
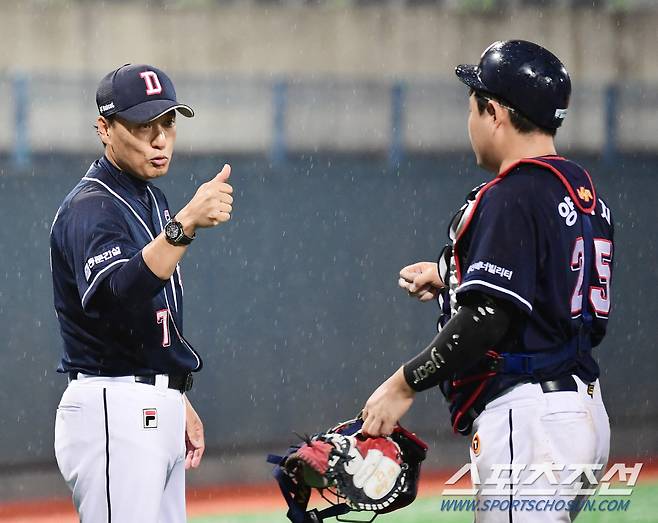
(162, 318)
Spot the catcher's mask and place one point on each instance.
(350, 471)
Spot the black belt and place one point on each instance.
(179, 382)
(564, 384)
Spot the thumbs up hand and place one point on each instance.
(224, 174)
(210, 206)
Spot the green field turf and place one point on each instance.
(428, 510)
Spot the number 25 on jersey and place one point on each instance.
(599, 295)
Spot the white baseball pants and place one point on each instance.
(120, 446)
(525, 427)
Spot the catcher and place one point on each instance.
(524, 291)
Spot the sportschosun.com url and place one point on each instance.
(539, 505)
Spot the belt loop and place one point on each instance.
(189, 381)
(161, 381)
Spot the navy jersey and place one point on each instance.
(524, 243)
(104, 222)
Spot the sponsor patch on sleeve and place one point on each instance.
(491, 268)
(99, 259)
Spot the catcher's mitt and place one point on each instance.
(373, 474)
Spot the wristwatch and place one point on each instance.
(175, 234)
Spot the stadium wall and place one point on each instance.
(598, 45)
(294, 304)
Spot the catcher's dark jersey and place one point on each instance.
(524, 244)
(104, 222)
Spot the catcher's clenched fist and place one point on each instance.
(421, 280)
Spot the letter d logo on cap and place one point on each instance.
(152, 82)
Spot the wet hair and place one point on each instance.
(519, 122)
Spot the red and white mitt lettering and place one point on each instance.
(367, 472)
(375, 465)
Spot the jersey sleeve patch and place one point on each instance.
(98, 241)
(101, 259)
(490, 268)
(97, 268)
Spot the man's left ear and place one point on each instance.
(496, 111)
(102, 128)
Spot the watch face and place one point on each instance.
(173, 230)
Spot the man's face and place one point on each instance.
(144, 150)
(478, 131)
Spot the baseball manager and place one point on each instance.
(125, 432)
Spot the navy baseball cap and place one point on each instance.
(138, 94)
(526, 76)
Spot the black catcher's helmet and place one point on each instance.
(524, 76)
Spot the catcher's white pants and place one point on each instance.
(527, 426)
(120, 446)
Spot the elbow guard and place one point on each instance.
(475, 328)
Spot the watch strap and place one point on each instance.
(182, 239)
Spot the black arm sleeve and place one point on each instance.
(132, 284)
(478, 326)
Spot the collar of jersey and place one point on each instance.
(133, 185)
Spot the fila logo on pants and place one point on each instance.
(150, 418)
